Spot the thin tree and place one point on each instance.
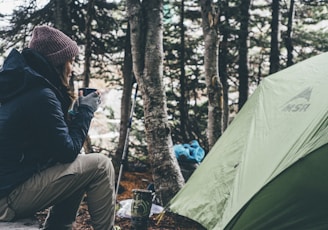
(289, 38)
(147, 54)
(126, 99)
(183, 105)
(87, 60)
(62, 18)
(88, 43)
(223, 56)
(243, 53)
(274, 52)
(213, 84)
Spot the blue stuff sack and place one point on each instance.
(192, 152)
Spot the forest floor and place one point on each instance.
(129, 181)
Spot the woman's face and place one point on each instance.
(68, 68)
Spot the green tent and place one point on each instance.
(269, 169)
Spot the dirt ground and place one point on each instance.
(129, 181)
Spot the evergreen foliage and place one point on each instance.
(106, 39)
(109, 25)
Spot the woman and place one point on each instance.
(40, 165)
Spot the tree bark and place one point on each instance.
(147, 54)
(243, 53)
(62, 19)
(274, 52)
(88, 44)
(183, 106)
(126, 99)
(87, 60)
(223, 66)
(289, 39)
(214, 86)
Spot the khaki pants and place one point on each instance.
(62, 187)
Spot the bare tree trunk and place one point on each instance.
(214, 87)
(223, 55)
(88, 42)
(274, 52)
(62, 18)
(183, 81)
(126, 99)
(243, 53)
(289, 43)
(87, 61)
(147, 54)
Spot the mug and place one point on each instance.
(140, 208)
(87, 91)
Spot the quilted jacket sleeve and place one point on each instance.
(62, 143)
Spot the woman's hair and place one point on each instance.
(60, 69)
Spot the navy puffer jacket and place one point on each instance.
(34, 132)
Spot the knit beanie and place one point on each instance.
(53, 44)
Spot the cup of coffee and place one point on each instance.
(87, 91)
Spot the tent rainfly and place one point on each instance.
(269, 169)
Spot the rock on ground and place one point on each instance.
(23, 224)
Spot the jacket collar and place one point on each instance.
(21, 71)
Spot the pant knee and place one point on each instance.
(105, 163)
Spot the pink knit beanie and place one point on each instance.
(53, 44)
